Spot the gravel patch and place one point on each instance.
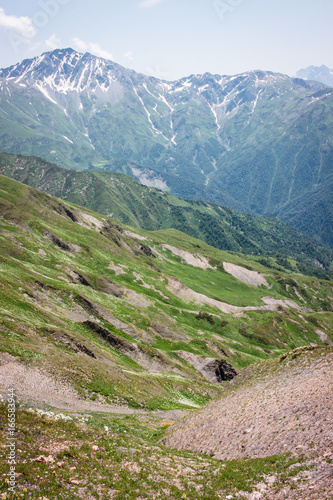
(286, 409)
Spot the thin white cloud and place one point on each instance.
(129, 55)
(53, 42)
(21, 25)
(92, 47)
(149, 3)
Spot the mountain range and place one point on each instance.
(258, 142)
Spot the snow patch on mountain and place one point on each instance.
(154, 129)
(65, 137)
(45, 93)
(213, 110)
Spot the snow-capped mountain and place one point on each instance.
(65, 77)
(258, 141)
(321, 74)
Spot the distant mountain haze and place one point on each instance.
(321, 74)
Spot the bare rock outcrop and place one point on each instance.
(152, 361)
(214, 370)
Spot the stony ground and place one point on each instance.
(261, 414)
(269, 436)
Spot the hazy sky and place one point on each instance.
(174, 38)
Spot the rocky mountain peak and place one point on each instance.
(65, 70)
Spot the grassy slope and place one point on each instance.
(56, 274)
(37, 296)
(125, 199)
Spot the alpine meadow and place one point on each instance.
(166, 263)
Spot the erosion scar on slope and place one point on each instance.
(245, 275)
(185, 293)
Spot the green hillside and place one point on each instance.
(132, 317)
(126, 200)
(110, 333)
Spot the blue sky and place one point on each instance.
(174, 38)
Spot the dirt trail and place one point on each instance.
(39, 389)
